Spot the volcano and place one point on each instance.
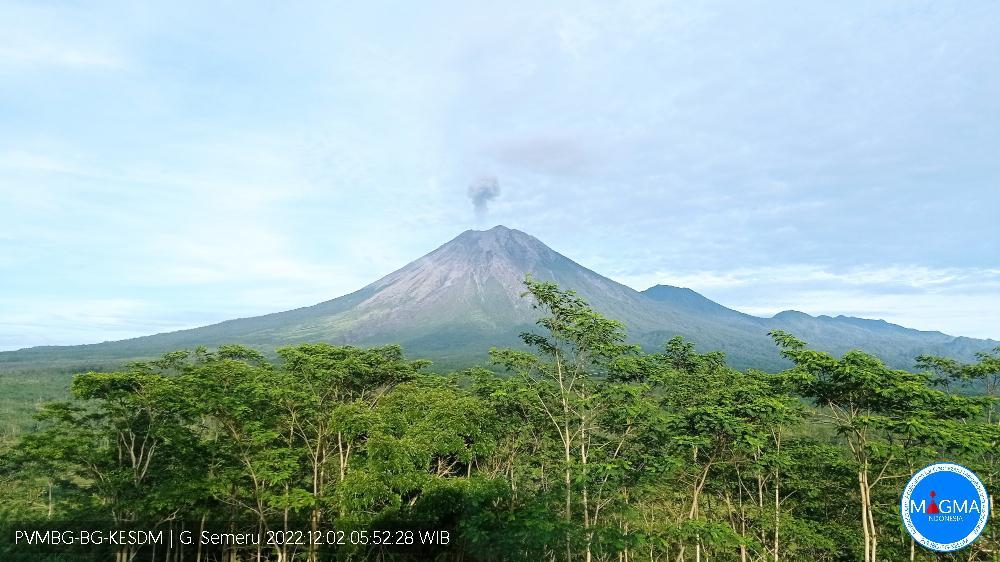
(454, 303)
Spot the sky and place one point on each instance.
(169, 165)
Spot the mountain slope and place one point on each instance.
(452, 304)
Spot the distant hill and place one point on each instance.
(454, 303)
(895, 344)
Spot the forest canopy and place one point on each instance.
(578, 446)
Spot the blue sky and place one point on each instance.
(168, 166)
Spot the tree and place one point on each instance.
(251, 462)
(328, 393)
(983, 375)
(883, 414)
(564, 379)
(120, 446)
(716, 418)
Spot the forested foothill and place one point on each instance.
(579, 446)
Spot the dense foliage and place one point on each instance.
(579, 447)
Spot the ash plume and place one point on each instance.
(481, 192)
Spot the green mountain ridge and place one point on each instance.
(454, 303)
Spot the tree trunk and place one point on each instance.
(777, 497)
(315, 515)
(584, 492)
(867, 517)
(201, 529)
(871, 519)
(864, 516)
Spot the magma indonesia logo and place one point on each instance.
(945, 507)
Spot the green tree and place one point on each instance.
(564, 377)
(718, 420)
(121, 446)
(883, 415)
(329, 393)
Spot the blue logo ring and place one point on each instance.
(958, 510)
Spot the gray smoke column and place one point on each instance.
(482, 191)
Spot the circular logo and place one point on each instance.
(945, 507)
